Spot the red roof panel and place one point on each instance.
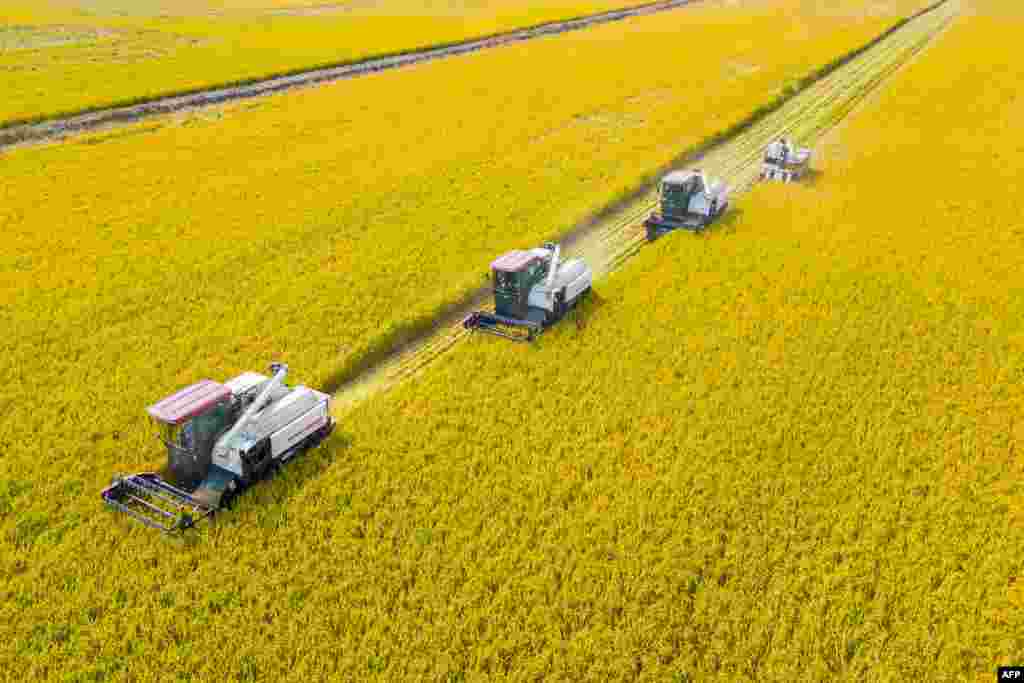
(513, 261)
(188, 402)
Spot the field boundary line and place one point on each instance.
(54, 127)
(612, 234)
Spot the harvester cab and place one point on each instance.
(532, 290)
(688, 200)
(220, 438)
(189, 424)
(784, 162)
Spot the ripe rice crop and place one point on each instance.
(787, 450)
(64, 56)
(141, 259)
(315, 230)
(784, 449)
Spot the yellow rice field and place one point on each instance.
(787, 449)
(312, 229)
(64, 56)
(138, 260)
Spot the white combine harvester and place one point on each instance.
(532, 290)
(785, 162)
(687, 200)
(221, 438)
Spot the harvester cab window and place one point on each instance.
(201, 428)
(188, 435)
(209, 423)
(175, 434)
(504, 279)
(680, 191)
(164, 431)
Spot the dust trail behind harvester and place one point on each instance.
(606, 245)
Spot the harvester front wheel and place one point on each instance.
(227, 499)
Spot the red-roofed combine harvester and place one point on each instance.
(221, 438)
(532, 290)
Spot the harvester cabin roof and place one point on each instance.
(679, 177)
(188, 402)
(514, 261)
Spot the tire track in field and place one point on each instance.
(607, 244)
(53, 129)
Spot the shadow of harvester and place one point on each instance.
(266, 501)
(578, 318)
(811, 177)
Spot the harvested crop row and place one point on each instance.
(63, 57)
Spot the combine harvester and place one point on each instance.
(687, 200)
(532, 290)
(221, 438)
(785, 162)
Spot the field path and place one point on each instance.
(606, 243)
(57, 128)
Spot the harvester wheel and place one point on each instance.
(227, 499)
